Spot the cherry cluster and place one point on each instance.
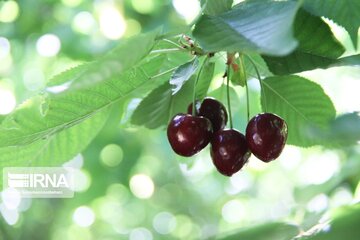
(189, 133)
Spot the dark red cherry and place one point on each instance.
(229, 151)
(266, 134)
(215, 111)
(189, 134)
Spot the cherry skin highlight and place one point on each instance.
(229, 151)
(266, 135)
(189, 134)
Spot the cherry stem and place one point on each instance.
(195, 83)
(228, 94)
(241, 58)
(173, 43)
(260, 81)
(168, 50)
(162, 73)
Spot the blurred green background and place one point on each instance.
(130, 185)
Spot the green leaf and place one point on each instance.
(297, 62)
(353, 60)
(318, 48)
(57, 148)
(125, 56)
(160, 105)
(255, 26)
(344, 12)
(260, 64)
(315, 36)
(89, 92)
(215, 7)
(300, 62)
(301, 103)
(183, 74)
(206, 75)
(276, 230)
(343, 131)
(156, 109)
(344, 225)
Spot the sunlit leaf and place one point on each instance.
(301, 103)
(80, 94)
(317, 48)
(205, 78)
(161, 105)
(254, 26)
(57, 148)
(183, 74)
(343, 12)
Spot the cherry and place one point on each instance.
(229, 151)
(189, 134)
(266, 134)
(213, 110)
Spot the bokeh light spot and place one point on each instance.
(142, 186)
(238, 183)
(111, 155)
(357, 193)
(83, 22)
(11, 216)
(82, 180)
(4, 47)
(164, 223)
(84, 216)
(118, 192)
(76, 162)
(184, 226)
(75, 232)
(140, 234)
(7, 101)
(48, 45)
(319, 168)
(237, 1)
(256, 165)
(290, 157)
(11, 198)
(188, 9)
(133, 27)
(9, 11)
(143, 6)
(233, 211)
(108, 209)
(318, 203)
(34, 79)
(72, 3)
(341, 197)
(112, 23)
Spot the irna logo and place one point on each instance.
(39, 182)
